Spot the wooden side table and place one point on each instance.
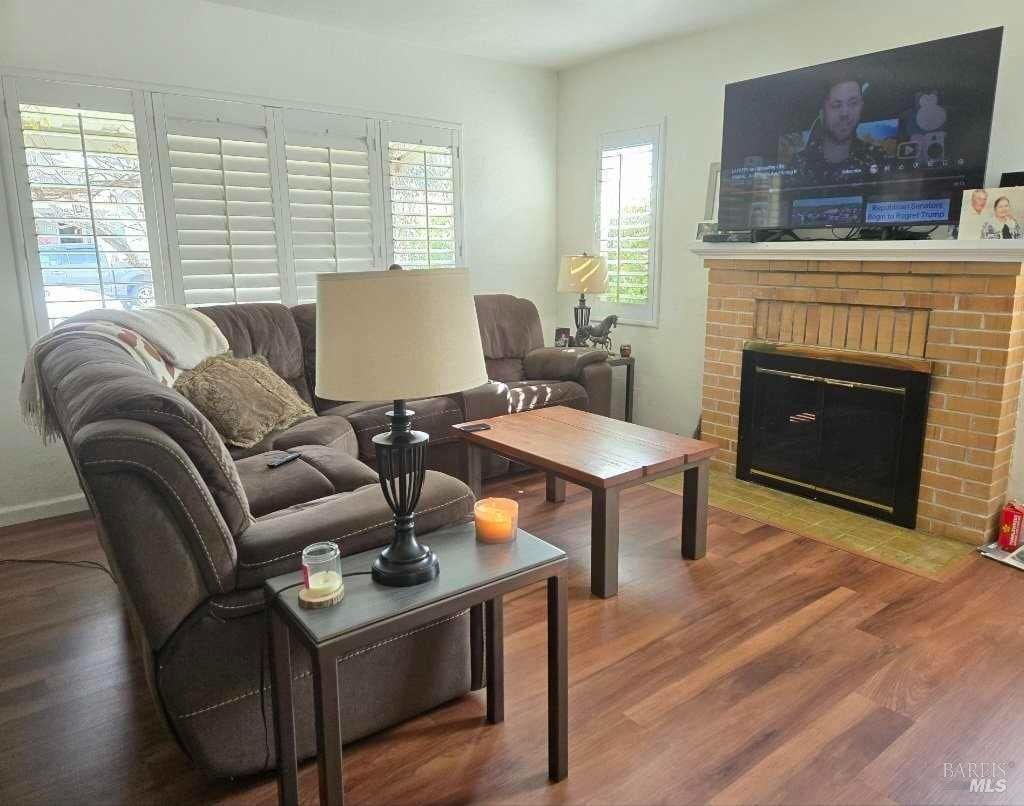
(472, 574)
(630, 365)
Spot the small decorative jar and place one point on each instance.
(322, 585)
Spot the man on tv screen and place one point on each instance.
(833, 146)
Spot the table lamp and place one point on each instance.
(587, 274)
(398, 335)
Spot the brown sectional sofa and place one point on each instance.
(192, 530)
(524, 375)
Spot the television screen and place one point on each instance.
(887, 139)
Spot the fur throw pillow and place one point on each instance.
(243, 398)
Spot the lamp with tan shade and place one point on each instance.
(587, 274)
(398, 335)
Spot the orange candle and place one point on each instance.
(496, 520)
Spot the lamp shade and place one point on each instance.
(583, 274)
(389, 335)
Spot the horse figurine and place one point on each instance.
(599, 335)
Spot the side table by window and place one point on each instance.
(630, 365)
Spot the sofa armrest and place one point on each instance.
(434, 415)
(484, 401)
(560, 363)
(160, 527)
(597, 380)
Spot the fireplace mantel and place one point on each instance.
(909, 251)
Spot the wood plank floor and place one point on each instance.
(776, 670)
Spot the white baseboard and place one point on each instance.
(50, 508)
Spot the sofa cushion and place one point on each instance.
(356, 521)
(506, 370)
(305, 324)
(269, 330)
(243, 398)
(528, 395)
(330, 430)
(509, 326)
(321, 471)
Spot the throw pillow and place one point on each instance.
(243, 398)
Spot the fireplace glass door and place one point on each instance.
(849, 434)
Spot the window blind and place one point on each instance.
(423, 210)
(221, 205)
(333, 180)
(626, 192)
(88, 213)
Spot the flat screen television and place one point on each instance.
(887, 139)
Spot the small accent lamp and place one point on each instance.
(398, 335)
(587, 274)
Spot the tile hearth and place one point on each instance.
(926, 555)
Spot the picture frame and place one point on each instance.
(991, 214)
(711, 195)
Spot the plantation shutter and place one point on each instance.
(219, 198)
(627, 192)
(85, 197)
(423, 204)
(333, 179)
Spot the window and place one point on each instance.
(421, 189)
(627, 193)
(88, 215)
(219, 202)
(132, 197)
(333, 171)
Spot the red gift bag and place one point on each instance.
(1010, 531)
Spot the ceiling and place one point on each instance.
(543, 33)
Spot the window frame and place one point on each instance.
(72, 95)
(646, 315)
(146, 99)
(398, 132)
(304, 128)
(230, 120)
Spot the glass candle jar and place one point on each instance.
(321, 570)
(497, 519)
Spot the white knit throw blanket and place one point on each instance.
(182, 337)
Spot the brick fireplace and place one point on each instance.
(954, 310)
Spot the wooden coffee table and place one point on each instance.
(605, 456)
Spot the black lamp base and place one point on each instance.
(581, 313)
(401, 465)
(403, 575)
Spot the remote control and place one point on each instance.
(283, 460)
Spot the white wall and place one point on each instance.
(683, 80)
(508, 143)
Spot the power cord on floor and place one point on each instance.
(93, 564)
(263, 666)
